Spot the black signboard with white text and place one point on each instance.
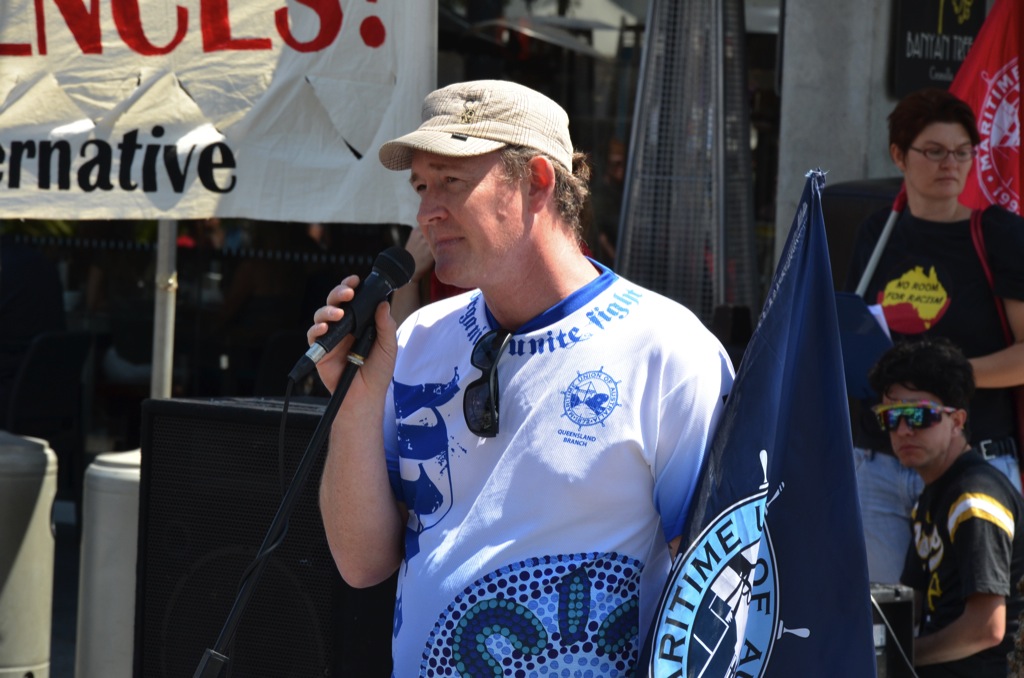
(931, 40)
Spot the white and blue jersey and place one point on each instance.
(542, 551)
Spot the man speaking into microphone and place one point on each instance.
(525, 453)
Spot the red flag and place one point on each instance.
(989, 81)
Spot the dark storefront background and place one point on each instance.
(247, 289)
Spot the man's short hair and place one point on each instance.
(571, 188)
(932, 364)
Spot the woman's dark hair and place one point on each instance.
(934, 364)
(919, 109)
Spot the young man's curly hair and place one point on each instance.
(934, 365)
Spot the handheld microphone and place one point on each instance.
(391, 269)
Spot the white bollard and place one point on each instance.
(28, 487)
(105, 637)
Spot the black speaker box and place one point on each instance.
(893, 619)
(211, 483)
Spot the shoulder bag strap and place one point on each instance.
(978, 237)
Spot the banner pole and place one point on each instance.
(164, 309)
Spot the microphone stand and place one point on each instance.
(215, 658)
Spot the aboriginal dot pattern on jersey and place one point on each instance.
(572, 614)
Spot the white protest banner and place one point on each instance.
(174, 109)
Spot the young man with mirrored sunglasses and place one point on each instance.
(966, 555)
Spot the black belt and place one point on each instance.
(990, 449)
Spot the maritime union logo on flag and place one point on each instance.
(749, 597)
(719, 614)
(989, 82)
(999, 127)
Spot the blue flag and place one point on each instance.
(774, 581)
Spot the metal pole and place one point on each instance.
(166, 295)
(718, 78)
(623, 245)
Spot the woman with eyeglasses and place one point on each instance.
(930, 282)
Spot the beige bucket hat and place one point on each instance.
(476, 117)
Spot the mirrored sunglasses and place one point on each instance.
(480, 400)
(918, 415)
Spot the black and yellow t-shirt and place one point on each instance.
(968, 537)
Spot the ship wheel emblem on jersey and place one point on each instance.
(590, 398)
